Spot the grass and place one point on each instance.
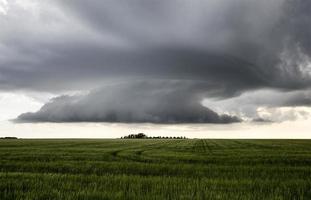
(155, 169)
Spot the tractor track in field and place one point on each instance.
(202, 146)
(137, 155)
(252, 145)
(207, 146)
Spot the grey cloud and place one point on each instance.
(261, 120)
(224, 48)
(257, 32)
(140, 102)
(241, 45)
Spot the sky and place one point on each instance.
(201, 69)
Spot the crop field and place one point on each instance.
(155, 169)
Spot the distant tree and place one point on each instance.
(136, 136)
(141, 135)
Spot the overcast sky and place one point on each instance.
(178, 64)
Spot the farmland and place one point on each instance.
(155, 169)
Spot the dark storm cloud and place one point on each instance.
(273, 37)
(224, 48)
(139, 102)
(240, 45)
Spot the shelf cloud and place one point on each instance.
(135, 103)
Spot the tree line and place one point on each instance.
(8, 138)
(144, 136)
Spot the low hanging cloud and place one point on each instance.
(139, 102)
(281, 114)
(265, 105)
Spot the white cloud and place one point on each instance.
(280, 114)
(12, 104)
(3, 7)
(272, 105)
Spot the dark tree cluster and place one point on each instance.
(136, 136)
(8, 138)
(144, 136)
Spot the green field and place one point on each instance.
(155, 169)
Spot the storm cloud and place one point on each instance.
(135, 103)
(217, 50)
